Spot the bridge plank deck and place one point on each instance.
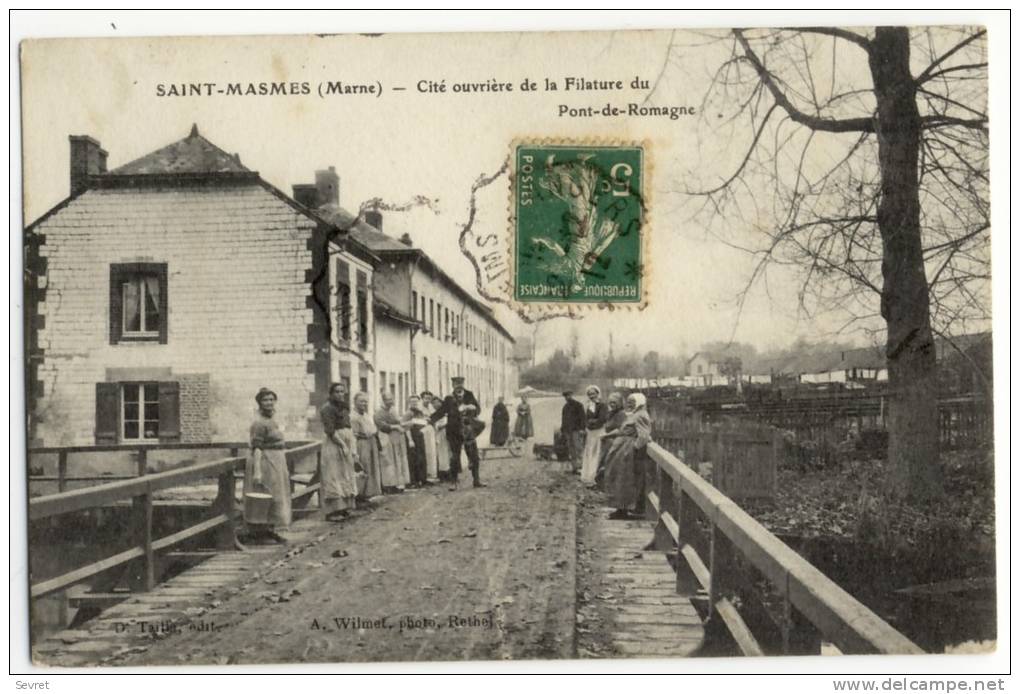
(649, 619)
(177, 603)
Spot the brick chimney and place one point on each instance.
(88, 158)
(306, 194)
(374, 218)
(327, 183)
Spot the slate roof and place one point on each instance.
(362, 232)
(386, 310)
(192, 155)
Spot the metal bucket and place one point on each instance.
(257, 506)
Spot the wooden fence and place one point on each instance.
(140, 490)
(743, 456)
(694, 520)
(821, 424)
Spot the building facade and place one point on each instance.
(428, 327)
(161, 295)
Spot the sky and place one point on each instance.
(400, 146)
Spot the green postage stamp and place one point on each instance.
(578, 223)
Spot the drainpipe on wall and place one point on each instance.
(414, 330)
(461, 338)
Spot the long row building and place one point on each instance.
(162, 294)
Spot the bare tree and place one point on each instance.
(865, 170)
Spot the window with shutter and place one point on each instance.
(138, 412)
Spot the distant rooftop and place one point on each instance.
(192, 155)
(363, 232)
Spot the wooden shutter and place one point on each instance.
(107, 413)
(164, 303)
(116, 304)
(169, 411)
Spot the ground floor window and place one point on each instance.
(140, 413)
(137, 412)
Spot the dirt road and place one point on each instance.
(428, 575)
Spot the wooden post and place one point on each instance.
(318, 473)
(663, 541)
(224, 503)
(62, 471)
(777, 454)
(720, 568)
(235, 452)
(145, 577)
(719, 461)
(143, 460)
(686, 520)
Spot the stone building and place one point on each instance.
(429, 328)
(162, 294)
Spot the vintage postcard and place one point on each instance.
(351, 348)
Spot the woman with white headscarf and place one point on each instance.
(595, 414)
(625, 461)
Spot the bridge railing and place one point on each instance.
(690, 513)
(140, 491)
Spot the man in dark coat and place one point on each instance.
(451, 408)
(572, 427)
(500, 430)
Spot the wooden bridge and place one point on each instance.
(698, 571)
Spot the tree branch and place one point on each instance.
(747, 157)
(954, 68)
(846, 34)
(939, 121)
(831, 125)
(928, 71)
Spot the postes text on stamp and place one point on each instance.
(578, 217)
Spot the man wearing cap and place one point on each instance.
(572, 427)
(452, 408)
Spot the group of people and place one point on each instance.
(607, 445)
(366, 454)
(524, 428)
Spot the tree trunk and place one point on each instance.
(910, 351)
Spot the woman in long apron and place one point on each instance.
(625, 462)
(594, 421)
(266, 470)
(499, 430)
(394, 448)
(615, 416)
(367, 440)
(523, 427)
(429, 432)
(442, 445)
(339, 484)
(415, 422)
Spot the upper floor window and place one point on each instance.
(362, 281)
(343, 300)
(138, 302)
